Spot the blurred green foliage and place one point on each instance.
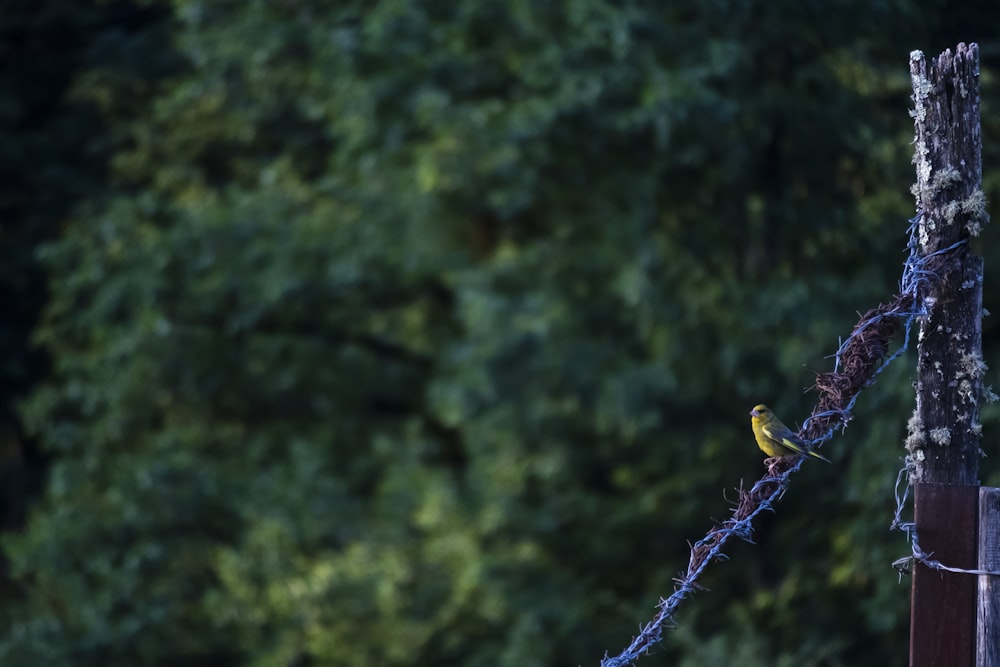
(415, 333)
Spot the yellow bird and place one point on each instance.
(776, 439)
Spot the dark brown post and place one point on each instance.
(988, 644)
(943, 440)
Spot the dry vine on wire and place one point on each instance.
(859, 360)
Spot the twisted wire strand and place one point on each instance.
(918, 272)
(761, 498)
(858, 361)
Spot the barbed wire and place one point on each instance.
(858, 361)
(760, 498)
(918, 271)
(904, 565)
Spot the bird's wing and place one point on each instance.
(786, 438)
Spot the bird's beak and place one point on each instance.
(754, 413)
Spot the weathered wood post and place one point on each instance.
(943, 440)
(988, 618)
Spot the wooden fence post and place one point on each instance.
(943, 441)
(988, 619)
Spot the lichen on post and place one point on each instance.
(944, 433)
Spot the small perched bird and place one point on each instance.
(776, 439)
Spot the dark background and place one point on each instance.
(425, 333)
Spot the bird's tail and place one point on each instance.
(816, 455)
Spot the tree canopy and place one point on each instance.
(416, 333)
